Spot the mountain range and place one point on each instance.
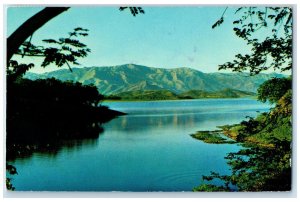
(112, 80)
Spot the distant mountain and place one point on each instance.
(131, 77)
(169, 95)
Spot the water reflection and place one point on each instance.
(52, 141)
(49, 140)
(139, 123)
(183, 114)
(149, 149)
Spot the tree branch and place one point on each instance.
(15, 40)
(29, 55)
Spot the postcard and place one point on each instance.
(153, 98)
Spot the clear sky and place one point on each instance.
(166, 37)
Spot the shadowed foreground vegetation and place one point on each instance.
(265, 162)
(42, 113)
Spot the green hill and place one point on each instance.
(225, 93)
(169, 95)
(131, 77)
(145, 95)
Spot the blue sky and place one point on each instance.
(167, 37)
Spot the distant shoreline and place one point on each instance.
(250, 97)
(148, 95)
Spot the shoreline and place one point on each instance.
(215, 137)
(225, 98)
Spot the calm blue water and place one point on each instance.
(150, 149)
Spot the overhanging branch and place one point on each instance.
(15, 40)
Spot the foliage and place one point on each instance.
(221, 20)
(210, 188)
(61, 52)
(49, 111)
(53, 90)
(258, 169)
(64, 51)
(212, 137)
(261, 130)
(273, 89)
(274, 51)
(12, 171)
(264, 164)
(22, 108)
(134, 10)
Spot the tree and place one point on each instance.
(62, 54)
(62, 51)
(15, 40)
(273, 89)
(264, 165)
(61, 110)
(272, 52)
(255, 169)
(134, 10)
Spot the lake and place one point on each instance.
(150, 149)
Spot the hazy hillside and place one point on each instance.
(144, 95)
(168, 95)
(130, 77)
(225, 93)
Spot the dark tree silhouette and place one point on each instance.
(60, 52)
(272, 52)
(64, 54)
(264, 163)
(41, 114)
(15, 40)
(134, 10)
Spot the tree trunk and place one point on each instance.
(15, 40)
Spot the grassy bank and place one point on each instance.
(265, 162)
(212, 137)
